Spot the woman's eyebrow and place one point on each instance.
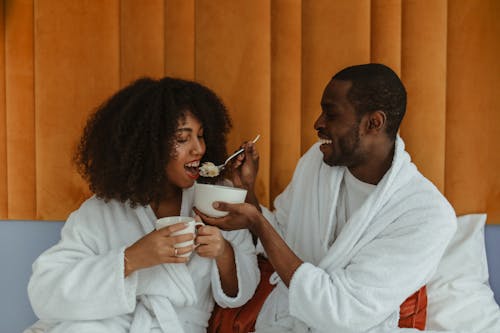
(184, 129)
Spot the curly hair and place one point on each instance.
(376, 87)
(128, 141)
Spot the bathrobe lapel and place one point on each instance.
(172, 283)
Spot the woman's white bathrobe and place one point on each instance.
(79, 285)
(387, 250)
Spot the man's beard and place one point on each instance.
(348, 153)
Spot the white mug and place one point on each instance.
(190, 229)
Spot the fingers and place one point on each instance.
(238, 161)
(210, 250)
(180, 239)
(210, 245)
(251, 150)
(172, 228)
(179, 251)
(225, 206)
(208, 230)
(215, 221)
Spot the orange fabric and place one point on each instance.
(413, 311)
(242, 319)
(269, 63)
(424, 46)
(19, 106)
(3, 125)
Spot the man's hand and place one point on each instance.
(245, 167)
(241, 216)
(247, 216)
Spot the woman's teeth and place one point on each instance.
(193, 164)
(325, 141)
(192, 167)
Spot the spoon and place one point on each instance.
(236, 153)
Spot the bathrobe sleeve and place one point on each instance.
(73, 281)
(378, 278)
(246, 268)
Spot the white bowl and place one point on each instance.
(206, 194)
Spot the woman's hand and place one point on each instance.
(210, 243)
(245, 167)
(156, 248)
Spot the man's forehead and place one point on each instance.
(334, 90)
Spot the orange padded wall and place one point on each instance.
(269, 61)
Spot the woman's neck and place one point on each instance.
(170, 205)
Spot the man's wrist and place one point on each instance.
(257, 221)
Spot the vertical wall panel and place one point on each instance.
(71, 78)
(473, 122)
(424, 74)
(286, 30)
(335, 34)
(179, 38)
(142, 35)
(3, 119)
(269, 61)
(233, 57)
(386, 33)
(20, 109)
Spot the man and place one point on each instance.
(358, 229)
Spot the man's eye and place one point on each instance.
(181, 140)
(330, 115)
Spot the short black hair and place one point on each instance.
(127, 142)
(376, 87)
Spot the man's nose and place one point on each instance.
(319, 123)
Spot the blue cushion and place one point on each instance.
(492, 239)
(21, 242)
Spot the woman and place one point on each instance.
(112, 271)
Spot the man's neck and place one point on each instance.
(376, 166)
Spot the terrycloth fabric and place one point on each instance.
(79, 286)
(387, 250)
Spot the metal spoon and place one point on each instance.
(236, 153)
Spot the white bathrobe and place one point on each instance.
(79, 285)
(386, 251)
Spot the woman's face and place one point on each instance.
(189, 147)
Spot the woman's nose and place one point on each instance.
(198, 147)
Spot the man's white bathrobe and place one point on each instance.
(79, 285)
(387, 250)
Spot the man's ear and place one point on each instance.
(376, 121)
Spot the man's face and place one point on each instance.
(338, 126)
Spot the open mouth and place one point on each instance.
(325, 141)
(192, 169)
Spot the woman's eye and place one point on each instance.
(181, 140)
